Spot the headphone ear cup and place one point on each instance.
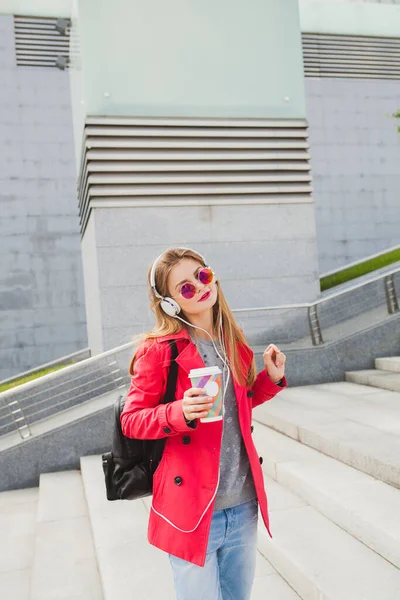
(170, 307)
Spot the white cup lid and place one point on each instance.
(204, 371)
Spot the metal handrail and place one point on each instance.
(312, 307)
(70, 368)
(57, 385)
(71, 389)
(332, 296)
(62, 360)
(22, 405)
(306, 305)
(61, 404)
(22, 423)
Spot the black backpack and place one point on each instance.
(129, 467)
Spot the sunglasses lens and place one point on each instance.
(205, 276)
(188, 290)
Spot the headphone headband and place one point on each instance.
(153, 269)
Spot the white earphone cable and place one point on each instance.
(224, 360)
(225, 363)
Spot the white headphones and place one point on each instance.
(169, 305)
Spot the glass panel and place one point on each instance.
(197, 59)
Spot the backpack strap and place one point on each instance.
(119, 440)
(172, 374)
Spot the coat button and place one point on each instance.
(261, 460)
(178, 480)
(250, 394)
(166, 430)
(252, 428)
(186, 439)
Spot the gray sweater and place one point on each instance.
(236, 481)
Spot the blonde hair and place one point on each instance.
(166, 325)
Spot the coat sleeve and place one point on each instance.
(143, 416)
(265, 389)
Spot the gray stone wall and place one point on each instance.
(355, 158)
(42, 314)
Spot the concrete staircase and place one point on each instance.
(64, 564)
(386, 374)
(120, 539)
(332, 470)
(46, 549)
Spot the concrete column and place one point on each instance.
(190, 130)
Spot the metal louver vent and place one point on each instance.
(162, 162)
(351, 56)
(42, 41)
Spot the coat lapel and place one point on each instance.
(189, 358)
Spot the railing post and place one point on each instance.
(18, 418)
(315, 328)
(391, 296)
(118, 375)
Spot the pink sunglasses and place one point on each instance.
(188, 290)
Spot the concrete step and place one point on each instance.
(320, 560)
(387, 380)
(391, 363)
(17, 533)
(120, 537)
(358, 503)
(65, 565)
(356, 430)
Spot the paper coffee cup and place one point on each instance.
(209, 378)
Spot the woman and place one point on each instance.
(209, 483)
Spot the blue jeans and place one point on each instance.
(229, 569)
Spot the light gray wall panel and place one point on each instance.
(257, 257)
(42, 313)
(264, 255)
(355, 158)
(141, 226)
(91, 285)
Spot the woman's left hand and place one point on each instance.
(274, 361)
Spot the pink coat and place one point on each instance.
(187, 476)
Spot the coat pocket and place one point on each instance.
(159, 479)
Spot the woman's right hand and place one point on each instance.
(196, 404)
